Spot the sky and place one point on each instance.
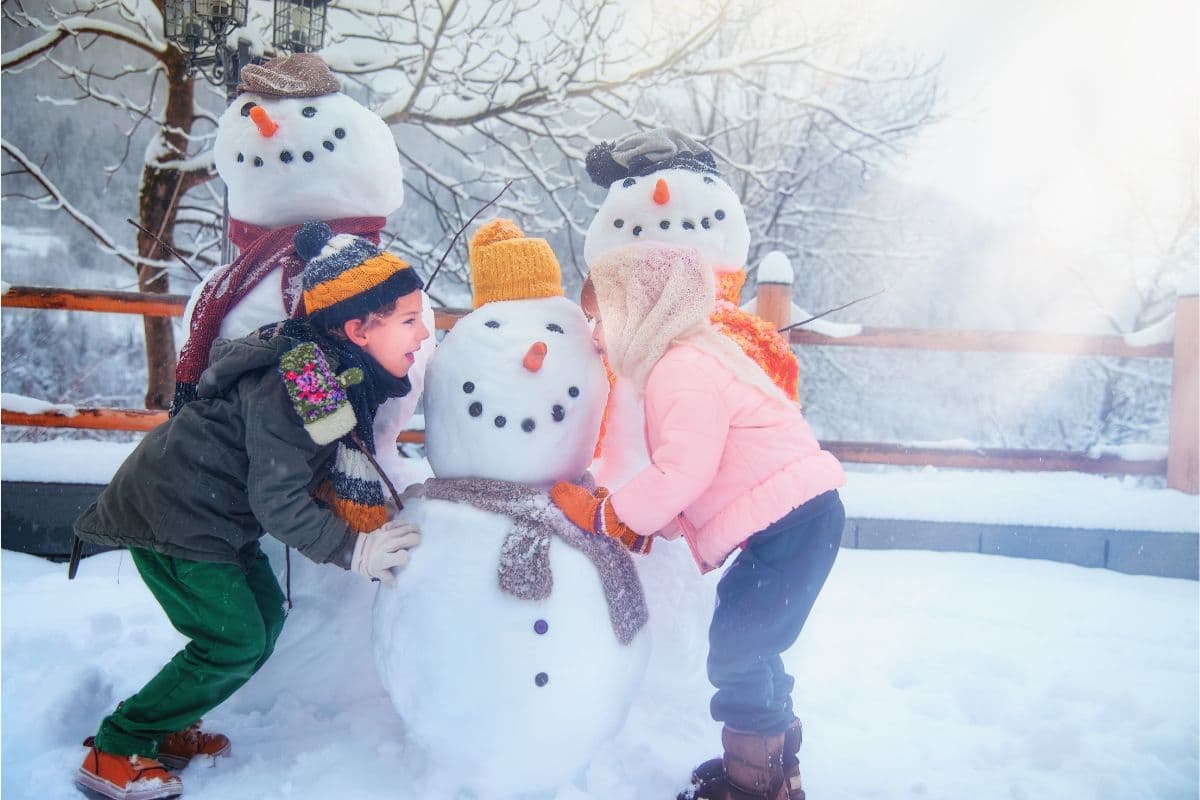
(1069, 133)
(1073, 126)
(1052, 102)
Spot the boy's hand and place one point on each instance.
(594, 513)
(384, 550)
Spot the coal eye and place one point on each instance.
(554, 326)
(491, 323)
(246, 109)
(708, 179)
(309, 111)
(626, 183)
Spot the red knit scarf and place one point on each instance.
(260, 251)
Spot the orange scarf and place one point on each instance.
(758, 338)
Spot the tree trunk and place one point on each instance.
(161, 190)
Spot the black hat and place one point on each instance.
(645, 152)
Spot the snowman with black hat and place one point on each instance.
(664, 187)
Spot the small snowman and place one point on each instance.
(293, 148)
(665, 187)
(513, 643)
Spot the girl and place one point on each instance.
(274, 428)
(734, 466)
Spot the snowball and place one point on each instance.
(702, 212)
(329, 158)
(489, 416)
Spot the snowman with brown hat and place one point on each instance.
(293, 148)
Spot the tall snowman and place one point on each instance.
(662, 186)
(293, 148)
(512, 644)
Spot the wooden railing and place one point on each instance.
(1181, 467)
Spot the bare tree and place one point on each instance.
(152, 87)
(480, 94)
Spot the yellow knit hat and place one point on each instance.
(506, 265)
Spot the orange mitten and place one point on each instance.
(594, 513)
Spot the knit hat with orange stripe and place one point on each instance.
(347, 277)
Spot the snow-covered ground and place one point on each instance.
(1055, 499)
(920, 675)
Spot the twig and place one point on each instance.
(166, 247)
(429, 282)
(830, 311)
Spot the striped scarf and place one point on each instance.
(353, 490)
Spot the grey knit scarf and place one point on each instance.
(524, 569)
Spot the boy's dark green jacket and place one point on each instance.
(237, 461)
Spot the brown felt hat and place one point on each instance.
(293, 75)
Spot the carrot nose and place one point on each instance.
(266, 125)
(535, 356)
(661, 193)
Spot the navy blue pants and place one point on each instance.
(763, 601)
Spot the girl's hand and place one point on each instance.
(593, 513)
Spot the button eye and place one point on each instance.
(554, 326)
(309, 111)
(246, 108)
(491, 323)
(626, 183)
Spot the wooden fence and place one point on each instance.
(1181, 467)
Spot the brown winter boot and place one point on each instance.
(113, 777)
(793, 737)
(709, 780)
(176, 750)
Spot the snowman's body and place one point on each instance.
(326, 158)
(510, 693)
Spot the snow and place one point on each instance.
(31, 405)
(1055, 499)
(1161, 332)
(776, 268)
(931, 675)
(63, 461)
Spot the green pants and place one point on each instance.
(232, 618)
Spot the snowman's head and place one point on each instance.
(291, 149)
(664, 188)
(515, 392)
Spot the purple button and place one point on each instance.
(541, 626)
(541, 679)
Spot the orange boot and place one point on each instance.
(113, 777)
(176, 750)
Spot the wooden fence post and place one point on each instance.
(1183, 447)
(774, 299)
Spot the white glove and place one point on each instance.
(378, 553)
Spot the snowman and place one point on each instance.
(665, 187)
(292, 148)
(513, 642)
